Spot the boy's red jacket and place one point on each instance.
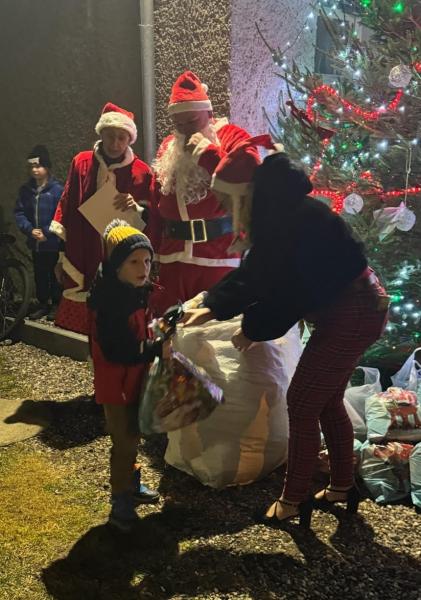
(117, 383)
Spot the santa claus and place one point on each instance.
(111, 159)
(190, 229)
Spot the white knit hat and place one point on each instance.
(114, 116)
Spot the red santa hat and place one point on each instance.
(235, 171)
(115, 116)
(188, 93)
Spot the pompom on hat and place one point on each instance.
(121, 239)
(188, 94)
(115, 116)
(235, 171)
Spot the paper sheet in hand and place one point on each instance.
(99, 210)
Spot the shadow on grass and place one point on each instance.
(65, 424)
(203, 544)
(105, 565)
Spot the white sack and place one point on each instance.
(245, 438)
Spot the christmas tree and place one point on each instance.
(355, 125)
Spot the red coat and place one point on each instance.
(208, 254)
(115, 383)
(83, 249)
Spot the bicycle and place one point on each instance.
(15, 290)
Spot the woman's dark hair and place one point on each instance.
(279, 187)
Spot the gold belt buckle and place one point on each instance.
(204, 237)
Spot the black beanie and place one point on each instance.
(39, 156)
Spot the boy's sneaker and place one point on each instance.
(123, 515)
(39, 313)
(51, 316)
(143, 494)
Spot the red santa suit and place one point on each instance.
(83, 250)
(189, 229)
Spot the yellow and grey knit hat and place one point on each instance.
(121, 239)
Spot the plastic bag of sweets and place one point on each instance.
(393, 415)
(385, 470)
(175, 395)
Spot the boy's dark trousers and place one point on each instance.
(46, 284)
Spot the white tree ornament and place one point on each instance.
(400, 76)
(406, 219)
(393, 217)
(353, 204)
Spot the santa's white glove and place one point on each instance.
(194, 141)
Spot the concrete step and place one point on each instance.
(53, 339)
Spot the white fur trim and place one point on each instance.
(197, 260)
(200, 149)
(58, 229)
(233, 189)
(117, 119)
(105, 173)
(277, 149)
(219, 123)
(76, 294)
(182, 208)
(193, 105)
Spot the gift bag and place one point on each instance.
(393, 415)
(355, 398)
(385, 470)
(415, 475)
(175, 395)
(409, 375)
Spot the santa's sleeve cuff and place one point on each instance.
(206, 155)
(58, 229)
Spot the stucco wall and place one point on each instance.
(191, 34)
(61, 60)
(253, 81)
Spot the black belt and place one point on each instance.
(198, 230)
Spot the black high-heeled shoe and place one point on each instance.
(352, 497)
(304, 512)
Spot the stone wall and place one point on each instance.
(195, 35)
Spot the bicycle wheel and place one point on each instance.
(14, 295)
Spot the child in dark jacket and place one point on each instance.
(34, 211)
(121, 352)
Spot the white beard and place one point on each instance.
(177, 172)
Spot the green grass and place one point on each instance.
(42, 514)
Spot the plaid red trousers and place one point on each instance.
(341, 335)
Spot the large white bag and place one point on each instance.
(355, 398)
(246, 437)
(409, 375)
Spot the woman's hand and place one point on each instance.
(125, 202)
(241, 342)
(196, 316)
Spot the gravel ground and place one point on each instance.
(200, 543)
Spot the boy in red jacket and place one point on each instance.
(121, 352)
